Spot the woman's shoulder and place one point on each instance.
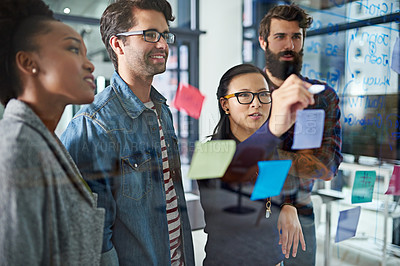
(21, 146)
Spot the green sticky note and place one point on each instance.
(211, 159)
(363, 186)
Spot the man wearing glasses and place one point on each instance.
(125, 146)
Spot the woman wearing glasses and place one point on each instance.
(244, 106)
(48, 215)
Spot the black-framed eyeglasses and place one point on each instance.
(247, 97)
(152, 36)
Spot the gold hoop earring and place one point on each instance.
(227, 111)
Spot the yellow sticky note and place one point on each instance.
(211, 159)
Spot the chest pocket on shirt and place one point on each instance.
(136, 173)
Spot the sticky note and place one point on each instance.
(189, 99)
(394, 184)
(270, 180)
(211, 159)
(396, 56)
(308, 129)
(347, 224)
(363, 186)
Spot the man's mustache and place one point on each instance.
(288, 52)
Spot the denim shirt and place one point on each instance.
(115, 142)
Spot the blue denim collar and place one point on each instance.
(129, 100)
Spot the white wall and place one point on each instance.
(220, 49)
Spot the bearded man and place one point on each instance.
(281, 35)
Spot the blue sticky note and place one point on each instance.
(396, 56)
(308, 129)
(363, 186)
(347, 224)
(270, 180)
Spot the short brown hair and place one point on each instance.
(290, 12)
(118, 17)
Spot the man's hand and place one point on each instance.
(290, 232)
(291, 96)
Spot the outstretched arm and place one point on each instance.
(306, 165)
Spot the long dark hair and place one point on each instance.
(20, 22)
(223, 129)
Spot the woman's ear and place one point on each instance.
(26, 63)
(224, 103)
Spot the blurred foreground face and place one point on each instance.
(245, 119)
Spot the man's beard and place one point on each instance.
(283, 69)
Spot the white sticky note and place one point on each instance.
(308, 129)
(316, 88)
(396, 56)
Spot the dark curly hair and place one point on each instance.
(223, 129)
(118, 17)
(20, 22)
(290, 12)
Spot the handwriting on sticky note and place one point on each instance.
(363, 186)
(347, 224)
(394, 184)
(308, 129)
(189, 99)
(270, 180)
(211, 159)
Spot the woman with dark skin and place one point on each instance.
(245, 105)
(49, 216)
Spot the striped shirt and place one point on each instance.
(173, 216)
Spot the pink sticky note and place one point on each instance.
(394, 184)
(190, 99)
